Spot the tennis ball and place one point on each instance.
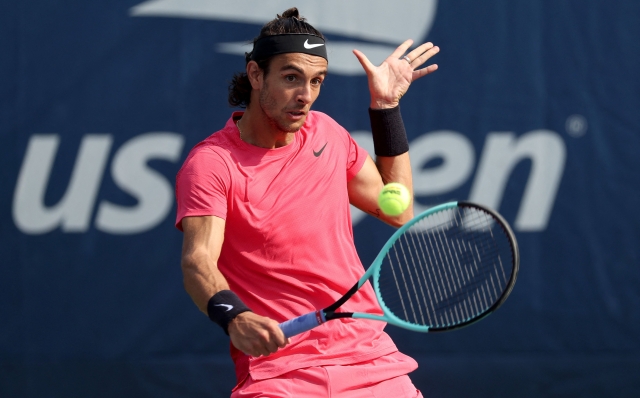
(394, 199)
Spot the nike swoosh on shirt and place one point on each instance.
(310, 46)
(316, 154)
(229, 306)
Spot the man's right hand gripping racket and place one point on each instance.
(448, 267)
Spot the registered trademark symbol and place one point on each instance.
(576, 125)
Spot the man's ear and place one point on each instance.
(255, 75)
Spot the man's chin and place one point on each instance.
(292, 127)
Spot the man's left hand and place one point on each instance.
(391, 80)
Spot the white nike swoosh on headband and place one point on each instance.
(310, 46)
(229, 306)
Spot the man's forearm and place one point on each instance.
(202, 281)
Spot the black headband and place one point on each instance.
(289, 43)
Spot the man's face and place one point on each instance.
(290, 88)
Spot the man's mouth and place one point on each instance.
(296, 114)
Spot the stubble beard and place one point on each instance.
(269, 106)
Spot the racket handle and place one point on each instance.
(302, 323)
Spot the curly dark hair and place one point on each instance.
(289, 22)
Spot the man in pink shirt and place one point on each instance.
(264, 207)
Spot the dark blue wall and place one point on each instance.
(535, 110)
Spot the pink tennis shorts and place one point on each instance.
(384, 377)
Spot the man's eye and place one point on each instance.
(290, 78)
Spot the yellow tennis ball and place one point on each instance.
(394, 199)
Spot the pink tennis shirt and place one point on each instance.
(288, 246)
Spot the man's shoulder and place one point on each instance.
(218, 140)
(319, 117)
(213, 149)
(321, 121)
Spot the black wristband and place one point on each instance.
(389, 135)
(223, 307)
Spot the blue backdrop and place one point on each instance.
(534, 111)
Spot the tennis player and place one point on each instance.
(264, 207)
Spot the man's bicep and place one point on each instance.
(203, 234)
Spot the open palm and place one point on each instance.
(391, 80)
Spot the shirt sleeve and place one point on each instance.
(202, 185)
(355, 158)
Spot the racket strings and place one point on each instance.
(446, 269)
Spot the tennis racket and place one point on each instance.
(446, 268)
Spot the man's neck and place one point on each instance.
(256, 129)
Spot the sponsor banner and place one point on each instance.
(533, 112)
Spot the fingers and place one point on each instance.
(364, 61)
(256, 335)
(424, 71)
(402, 48)
(419, 56)
(415, 58)
(268, 343)
(422, 53)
